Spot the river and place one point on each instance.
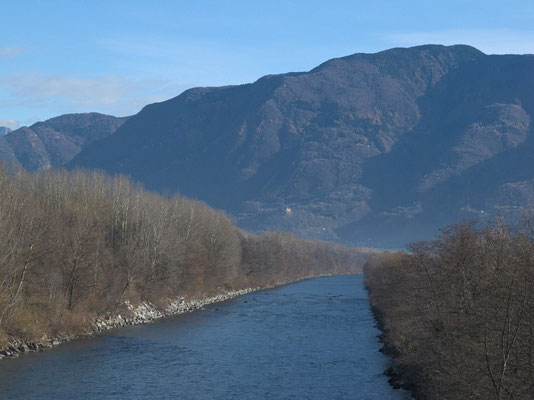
(313, 339)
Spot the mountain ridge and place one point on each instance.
(314, 142)
(54, 142)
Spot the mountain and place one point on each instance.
(4, 131)
(54, 142)
(372, 149)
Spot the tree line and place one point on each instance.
(457, 313)
(77, 245)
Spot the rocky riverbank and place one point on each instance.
(144, 312)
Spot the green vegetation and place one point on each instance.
(77, 245)
(458, 313)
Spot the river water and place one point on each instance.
(314, 339)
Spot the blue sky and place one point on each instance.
(115, 57)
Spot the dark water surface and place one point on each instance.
(313, 339)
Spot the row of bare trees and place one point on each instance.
(458, 312)
(74, 245)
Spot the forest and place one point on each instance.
(77, 245)
(457, 313)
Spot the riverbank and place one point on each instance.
(398, 375)
(142, 313)
(314, 339)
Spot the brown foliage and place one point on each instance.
(74, 245)
(458, 313)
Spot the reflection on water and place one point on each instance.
(314, 339)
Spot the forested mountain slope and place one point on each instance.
(371, 148)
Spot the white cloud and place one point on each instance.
(109, 94)
(490, 41)
(6, 52)
(9, 123)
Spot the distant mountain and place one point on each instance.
(372, 149)
(52, 143)
(4, 131)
